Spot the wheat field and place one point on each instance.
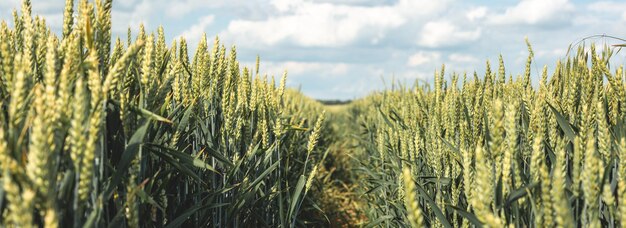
(97, 131)
(499, 152)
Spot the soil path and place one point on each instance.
(342, 201)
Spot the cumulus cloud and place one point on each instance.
(535, 12)
(552, 53)
(445, 33)
(609, 7)
(126, 3)
(181, 8)
(196, 31)
(285, 5)
(462, 58)
(299, 68)
(10, 3)
(140, 13)
(423, 57)
(313, 24)
(357, 2)
(476, 13)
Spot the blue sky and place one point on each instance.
(342, 49)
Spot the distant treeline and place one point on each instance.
(335, 102)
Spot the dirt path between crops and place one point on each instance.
(342, 201)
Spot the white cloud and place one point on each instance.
(313, 24)
(476, 13)
(298, 68)
(285, 5)
(421, 8)
(316, 25)
(609, 7)
(181, 8)
(410, 75)
(552, 53)
(126, 3)
(357, 2)
(340, 69)
(292, 67)
(10, 3)
(444, 33)
(141, 13)
(423, 57)
(535, 12)
(152, 12)
(196, 31)
(462, 58)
